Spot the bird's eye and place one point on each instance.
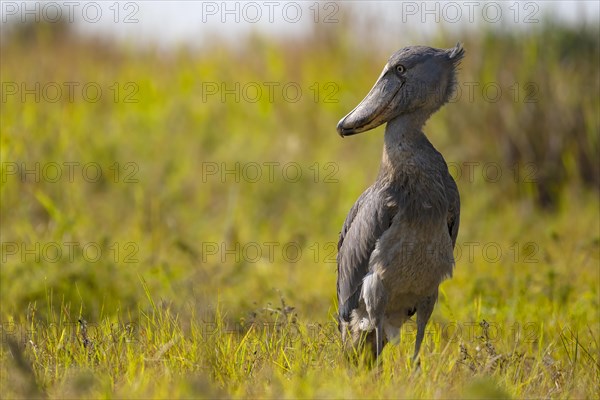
(400, 68)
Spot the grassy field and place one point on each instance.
(169, 222)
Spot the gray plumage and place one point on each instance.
(396, 245)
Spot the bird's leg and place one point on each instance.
(373, 294)
(378, 338)
(424, 310)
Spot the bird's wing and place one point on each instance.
(368, 219)
(453, 208)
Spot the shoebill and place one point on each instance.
(396, 244)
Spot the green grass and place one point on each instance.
(148, 255)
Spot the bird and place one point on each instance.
(396, 244)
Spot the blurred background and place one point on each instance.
(189, 148)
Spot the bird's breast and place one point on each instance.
(413, 257)
(415, 253)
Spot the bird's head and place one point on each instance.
(415, 79)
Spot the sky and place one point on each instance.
(168, 23)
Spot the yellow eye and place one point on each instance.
(400, 68)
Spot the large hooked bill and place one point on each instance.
(375, 109)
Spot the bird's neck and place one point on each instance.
(403, 137)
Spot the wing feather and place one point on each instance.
(367, 220)
(453, 208)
